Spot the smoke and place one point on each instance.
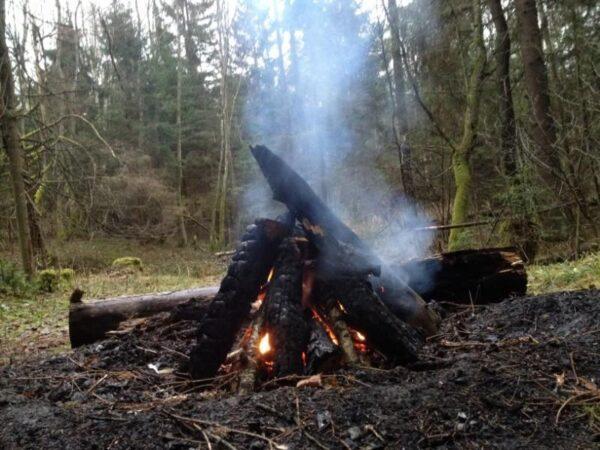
(318, 102)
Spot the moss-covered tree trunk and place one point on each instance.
(462, 153)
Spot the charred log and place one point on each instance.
(247, 272)
(322, 355)
(365, 312)
(284, 316)
(469, 276)
(90, 321)
(342, 252)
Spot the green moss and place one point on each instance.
(51, 280)
(127, 261)
(583, 273)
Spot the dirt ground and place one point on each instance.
(519, 374)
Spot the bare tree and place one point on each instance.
(10, 140)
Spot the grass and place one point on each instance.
(35, 322)
(583, 273)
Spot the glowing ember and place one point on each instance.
(361, 337)
(264, 346)
(341, 307)
(326, 326)
(270, 277)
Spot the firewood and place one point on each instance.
(322, 355)
(251, 264)
(284, 316)
(477, 276)
(365, 312)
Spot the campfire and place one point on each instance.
(304, 294)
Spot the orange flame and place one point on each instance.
(270, 277)
(361, 337)
(264, 346)
(326, 326)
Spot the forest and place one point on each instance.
(416, 166)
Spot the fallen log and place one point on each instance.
(90, 321)
(480, 276)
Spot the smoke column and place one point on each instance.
(316, 101)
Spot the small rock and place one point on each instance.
(323, 420)
(354, 433)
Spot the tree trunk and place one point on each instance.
(10, 138)
(462, 153)
(507, 112)
(400, 110)
(180, 206)
(536, 82)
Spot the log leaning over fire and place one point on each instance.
(468, 276)
(248, 270)
(284, 318)
(483, 276)
(332, 235)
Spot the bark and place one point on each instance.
(536, 81)
(505, 99)
(10, 140)
(400, 109)
(246, 274)
(460, 158)
(89, 322)
(322, 354)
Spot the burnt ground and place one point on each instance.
(522, 373)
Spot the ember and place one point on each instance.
(264, 346)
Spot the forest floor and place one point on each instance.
(519, 374)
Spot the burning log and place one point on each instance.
(365, 312)
(246, 274)
(322, 354)
(284, 316)
(337, 242)
(468, 276)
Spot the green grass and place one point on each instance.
(583, 273)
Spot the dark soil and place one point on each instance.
(519, 374)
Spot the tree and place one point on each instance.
(505, 96)
(400, 110)
(462, 152)
(10, 141)
(536, 81)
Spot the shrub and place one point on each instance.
(50, 280)
(127, 262)
(12, 280)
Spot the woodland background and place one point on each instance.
(133, 121)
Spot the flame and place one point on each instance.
(341, 307)
(264, 346)
(326, 326)
(270, 277)
(361, 337)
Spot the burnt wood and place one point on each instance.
(322, 355)
(284, 317)
(342, 252)
(246, 274)
(364, 311)
(468, 276)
